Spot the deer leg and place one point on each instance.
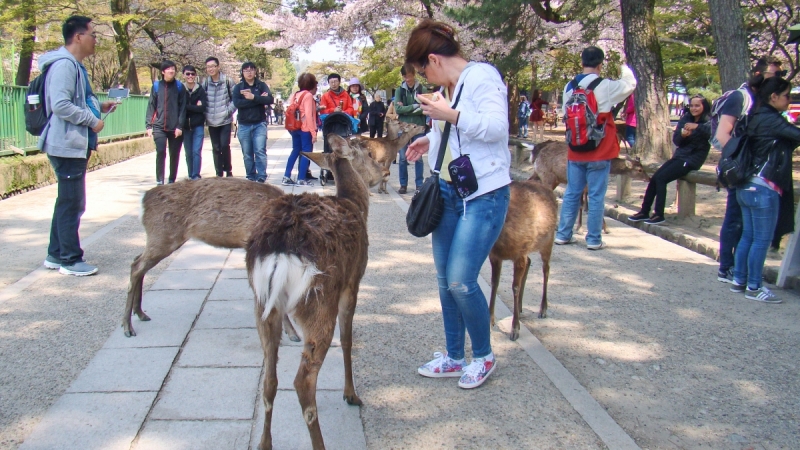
(521, 266)
(141, 265)
(497, 266)
(289, 328)
(605, 227)
(317, 342)
(546, 274)
(347, 307)
(584, 205)
(269, 331)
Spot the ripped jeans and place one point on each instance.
(461, 244)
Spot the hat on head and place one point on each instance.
(353, 81)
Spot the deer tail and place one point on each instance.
(281, 280)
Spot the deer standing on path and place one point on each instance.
(306, 257)
(530, 226)
(221, 212)
(549, 160)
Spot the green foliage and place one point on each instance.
(383, 63)
(687, 43)
(302, 7)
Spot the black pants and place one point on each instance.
(376, 129)
(70, 204)
(162, 138)
(221, 148)
(657, 188)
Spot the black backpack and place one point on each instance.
(36, 116)
(735, 165)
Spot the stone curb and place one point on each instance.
(703, 246)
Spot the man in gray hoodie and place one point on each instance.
(69, 138)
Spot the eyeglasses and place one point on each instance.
(190, 74)
(421, 71)
(93, 35)
(211, 66)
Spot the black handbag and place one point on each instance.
(425, 211)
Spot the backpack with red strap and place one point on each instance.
(584, 134)
(292, 119)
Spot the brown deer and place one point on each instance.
(306, 257)
(549, 160)
(384, 150)
(530, 226)
(221, 212)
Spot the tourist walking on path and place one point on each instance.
(737, 105)
(336, 99)
(377, 116)
(360, 109)
(303, 139)
(630, 121)
(523, 115)
(771, 142)
(251, 98)
(278, 111)
(195, 122)
(75, 122)
(407, 107)
(166, 114)
(691, 138)
(591, 168)
(219, 115)
(473, 110)
(537, 115)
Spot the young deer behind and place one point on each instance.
(530, 226)
(306, 257)
(384, 150)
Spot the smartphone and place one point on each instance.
(118, 93)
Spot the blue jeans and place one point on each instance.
(579, 175)
(65, 242)
(523, 127)
(760, 207)
(253, 139)
(630, 135)
(193, 147)
(461, 243)
(418, 166)
(301, 142)
(730, 233)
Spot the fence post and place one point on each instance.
(623, 187)
(687, 198)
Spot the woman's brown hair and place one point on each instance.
(306, 81)
(430, 37)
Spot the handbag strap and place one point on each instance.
(445, 136)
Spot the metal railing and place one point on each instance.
(127, 120)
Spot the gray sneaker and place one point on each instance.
(738, 288)
(79, 269)
(571, 240)
(52, 263)
(599, 246)
(304, 183)
(761, 294)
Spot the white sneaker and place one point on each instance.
(571, 240)
(442, 366)
(477, 372)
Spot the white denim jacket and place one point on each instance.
(482, 127)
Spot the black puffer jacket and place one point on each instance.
(772, 141)
(692, 149)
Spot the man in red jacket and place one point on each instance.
(591, 168)
(336, 99)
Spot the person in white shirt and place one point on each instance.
(591, 168)
(473, 101)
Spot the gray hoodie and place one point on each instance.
(67, 133)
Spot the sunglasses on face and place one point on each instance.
(190, 74)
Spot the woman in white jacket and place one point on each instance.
(469, 226)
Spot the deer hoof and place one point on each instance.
(514, 335)
(543, 315)
(129, 332)
(352, 400)
(293, 337)
(142, 316)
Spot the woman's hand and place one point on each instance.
(438, 109)
(418, 148)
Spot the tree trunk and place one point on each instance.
(513, 101)
(733, 58)
(126, 73)
(643, 52)
(23, 76)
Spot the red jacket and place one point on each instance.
(330, 100)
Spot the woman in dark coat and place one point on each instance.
(771, 142)
(691, 137)
(377, 114)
